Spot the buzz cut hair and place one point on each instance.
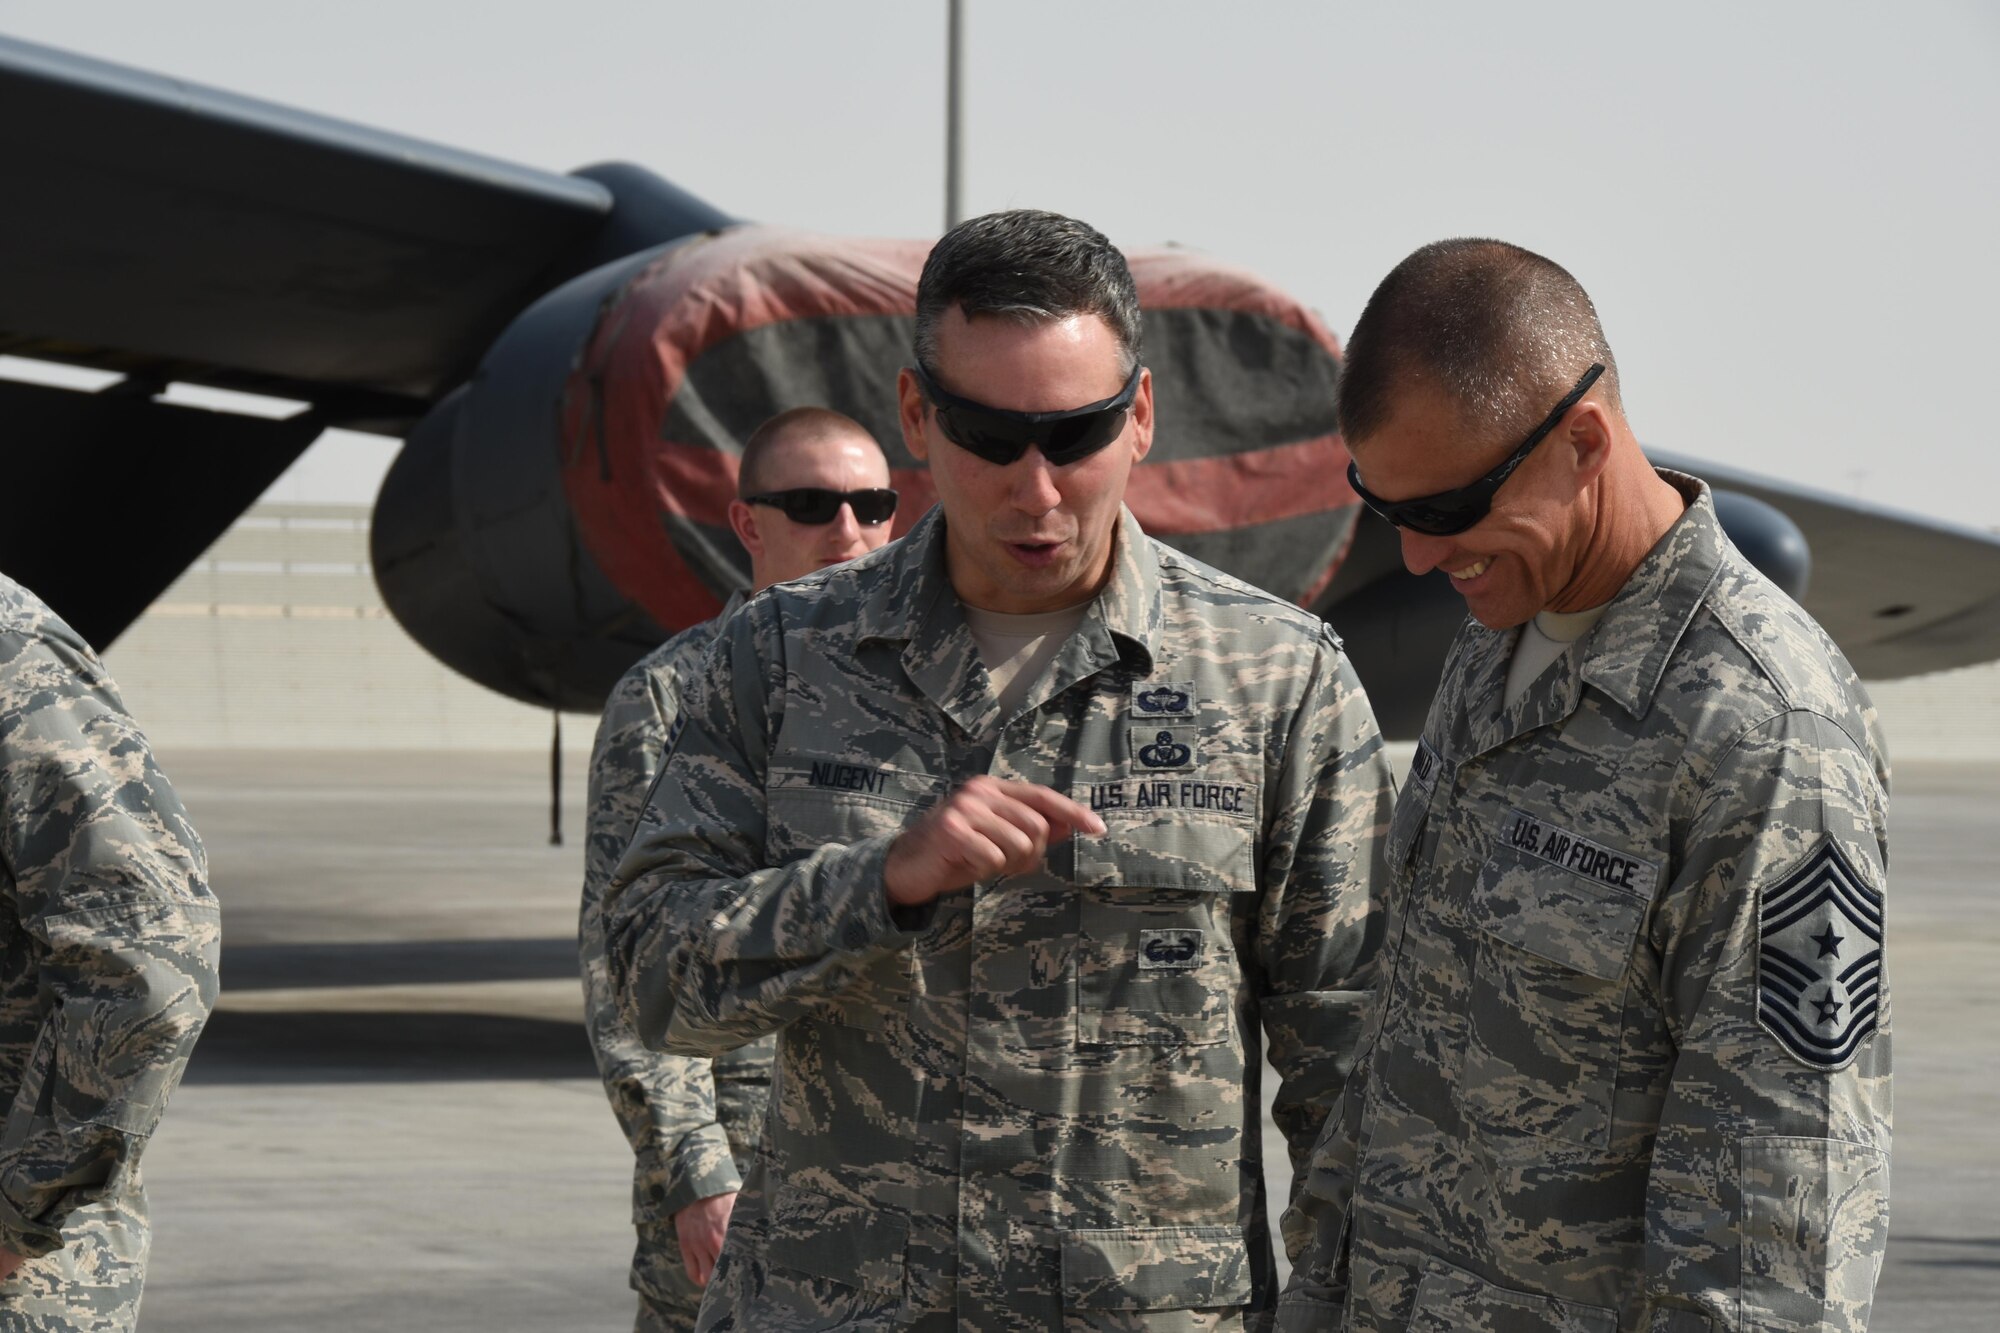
(1032, 267)
(1503, 332)
(798, 425)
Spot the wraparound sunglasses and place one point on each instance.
(1451, 512)
(816, 505)
(1000, 435)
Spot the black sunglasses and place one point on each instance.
(816, 505)
(1451, 512)
(1000, 436)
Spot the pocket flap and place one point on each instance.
(1155, 1268)
(1203, 855)
(1569, 920)
(850, 1243)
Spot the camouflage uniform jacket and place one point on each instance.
(666, 1104)
(1034, 1104)
(1630, 1069)
(109, 934)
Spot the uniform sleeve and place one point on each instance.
(665, 1103)
(1320, 929)
(1767, 1207)
(709, 948)
(109, 894)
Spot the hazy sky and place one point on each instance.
(1787, 213)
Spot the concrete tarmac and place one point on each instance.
(393, 1121)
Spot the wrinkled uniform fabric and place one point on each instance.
(110, 940)
(1597, 1094)
(692, 1122)
(1033, 1104)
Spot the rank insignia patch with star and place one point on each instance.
(1819, 959)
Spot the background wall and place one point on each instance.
(277, 639)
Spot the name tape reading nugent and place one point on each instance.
(1578, 854)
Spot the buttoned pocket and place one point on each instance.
(813, 803)
(808, 811)
(1547, 1003)
(1815, 1219)
(1156, 964)
(1155, 1269)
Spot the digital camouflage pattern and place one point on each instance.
(1033, 1105)
(110, 940)
(692, 1122)
(1578, 1109)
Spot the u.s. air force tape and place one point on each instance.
(1532, 835)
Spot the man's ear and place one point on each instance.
(1589, 435)
(743, 522)
(910, 414)
(1142, 417)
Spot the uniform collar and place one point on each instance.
(1628, 651)
(913, 603)
(1624, 656)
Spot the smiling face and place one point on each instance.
(1519, 558)
(1027, 537)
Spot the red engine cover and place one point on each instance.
(1246, 471)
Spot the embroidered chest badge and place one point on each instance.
(1819, 959)
(1170, 950)
(1162, 725)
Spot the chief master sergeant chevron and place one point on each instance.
(1017, 1078)
(1630, 1064)
(109, 939)
(812, 489)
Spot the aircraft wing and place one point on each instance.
(1902, 595)
(168, 232)
(160, 228)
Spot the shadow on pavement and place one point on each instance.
(391, 1047)
(396, 963)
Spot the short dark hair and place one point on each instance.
(798, 423)
(1500, 329)
(1030, 266)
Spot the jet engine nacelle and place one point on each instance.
(565, 509)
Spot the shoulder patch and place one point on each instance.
(1819, 958)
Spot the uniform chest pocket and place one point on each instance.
(810, 804)
(1550, 986)
(820, 805)
(1156, 961)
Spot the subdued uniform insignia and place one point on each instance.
(1170, 703)
(1424, 766)
(1819, 959)
(1169, 949)
(1165, 750)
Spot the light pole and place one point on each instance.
(954, 119)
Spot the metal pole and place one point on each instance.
(555, 781)
(954, 119)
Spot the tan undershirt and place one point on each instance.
(1544, 639)
(1018, 649)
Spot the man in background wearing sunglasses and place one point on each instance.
(1630, 1068)
(1019, 833)
(814, 491)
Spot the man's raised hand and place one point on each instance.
(985, 829)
